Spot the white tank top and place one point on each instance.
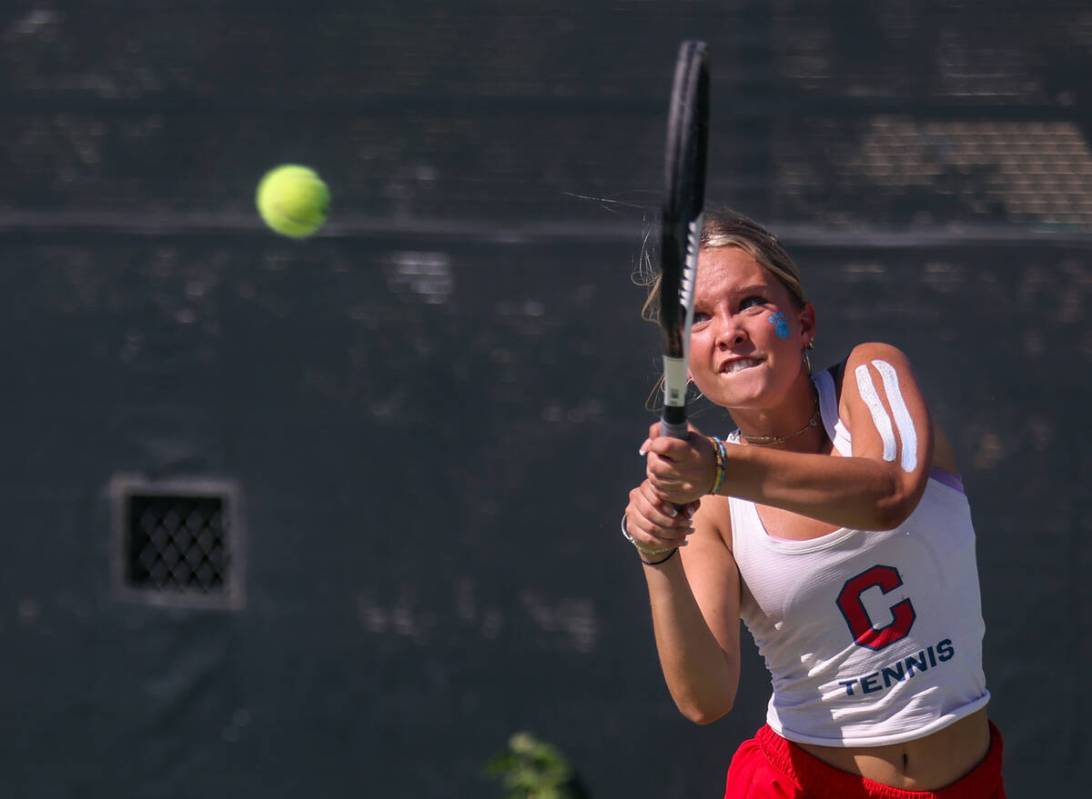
(870, 638)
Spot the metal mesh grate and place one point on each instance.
(177, 543)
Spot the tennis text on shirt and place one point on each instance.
(870, 637)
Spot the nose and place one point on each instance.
(729, 332)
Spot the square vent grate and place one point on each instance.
(178, 542)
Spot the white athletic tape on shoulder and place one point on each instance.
(674, 381)
(879, 416)
(903, 421)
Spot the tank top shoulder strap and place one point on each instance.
(741, 513)
(828, 386)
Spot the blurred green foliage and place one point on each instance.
(532, 769)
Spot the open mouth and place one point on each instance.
(739, 364)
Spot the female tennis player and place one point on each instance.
(834, 523)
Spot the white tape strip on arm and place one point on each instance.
(879, 416)
(903, 421)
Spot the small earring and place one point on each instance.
(689, 399)
(654, 401)
(807, 360)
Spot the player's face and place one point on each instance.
(748, 335)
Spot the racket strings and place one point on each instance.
(690, 268)
(686, 291)
(654, 402)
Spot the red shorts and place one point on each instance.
(769, 767)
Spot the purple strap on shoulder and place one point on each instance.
(950, 479)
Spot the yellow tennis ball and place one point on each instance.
(293, 200)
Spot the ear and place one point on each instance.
(807, 324)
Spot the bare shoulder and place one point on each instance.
(874, 356)
(943, 454)
(876, 351)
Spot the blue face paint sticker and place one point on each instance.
(781, 325)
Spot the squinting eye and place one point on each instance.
(700, 316)
(750, 302)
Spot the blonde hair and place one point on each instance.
(727, 228)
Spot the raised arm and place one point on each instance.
(695, 603)
(875, 489)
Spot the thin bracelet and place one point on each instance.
(641, 550)
(670, 555)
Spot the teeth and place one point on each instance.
(742, 363)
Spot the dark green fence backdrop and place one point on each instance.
(426, 419)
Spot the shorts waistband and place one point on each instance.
(790, 759)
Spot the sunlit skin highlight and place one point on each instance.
(735, 299)
(801, 487)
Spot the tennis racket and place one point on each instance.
(684, 197)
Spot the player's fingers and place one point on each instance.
(645, 531)
(666, 467)
(687, 507)
(662, 488)
(670, 448)
(646, 525)
(661, 520)
(659, 469)
(656, 511)
(682, 510)
(673, 489)
(669, 476)
(661, 510)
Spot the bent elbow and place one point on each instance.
(703, 715)
(891, 514)
(703, 720)
(896, 505)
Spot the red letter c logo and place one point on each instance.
(887, 579)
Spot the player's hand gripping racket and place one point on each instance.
(687, 134)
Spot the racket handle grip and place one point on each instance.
(675, 429)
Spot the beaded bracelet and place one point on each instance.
(721, 465)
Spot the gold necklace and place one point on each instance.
(765, 441)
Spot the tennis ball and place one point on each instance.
(293, 200)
